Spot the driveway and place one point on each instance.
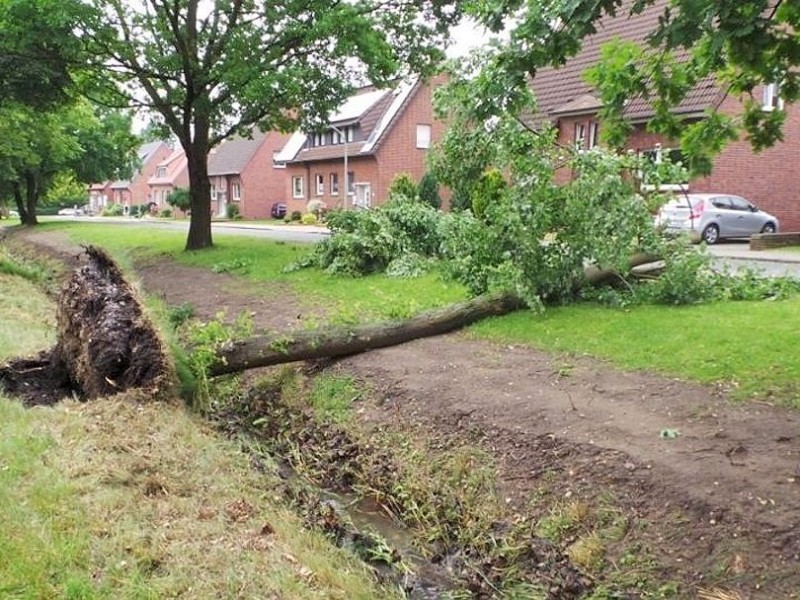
(738, 255)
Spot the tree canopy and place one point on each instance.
(742, 45)
(212, 69)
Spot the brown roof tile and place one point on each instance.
(231, 157)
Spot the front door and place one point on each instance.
(363, 196)
(222, 202)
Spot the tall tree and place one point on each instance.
(214, 68)
(741, 44)
(36, 146)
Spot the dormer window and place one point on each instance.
(340, 134)
(318, 139)
(161, 172)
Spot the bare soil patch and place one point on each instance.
(720, 501)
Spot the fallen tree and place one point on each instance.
(107, 345)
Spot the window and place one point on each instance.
(318, 139)
(277, 164)
(772, 97)
(236, 192)
(213, 192)
(161, 172)
(580, 135)
(336, 136)
(350, 132)
(656, 156)
(297, 187)
(594, 134)
(320, 181)
(351, 182)
(334, 184)
(423, 136)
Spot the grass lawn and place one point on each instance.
(121, 499)
(749, 346)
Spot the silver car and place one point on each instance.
(712, 217)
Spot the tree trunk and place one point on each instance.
(200, 189)
(262, 351)
(31, 198)
(18, 200)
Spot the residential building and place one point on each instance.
(569, 102)
(351, 161)
(243, 171)
(134, 190)
(170, 173)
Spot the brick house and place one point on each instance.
(569, 103)
(374, 135)
(134, 190)
(170, 173)
(244, 172)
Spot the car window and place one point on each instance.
(739, 203)
(721, 202)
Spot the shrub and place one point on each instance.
(428, 190)
(232, 211)
(113, 210)
(165, 213)
(296, 215)
(180, 198)
(317, 208)
(287, 219)
(308, 219)
(403, 186)
(488, 190)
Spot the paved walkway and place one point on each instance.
(742, 251)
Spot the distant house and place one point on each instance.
(568, 102)
(374, 135)
(170, 173)
(135, 190)
(243, 172)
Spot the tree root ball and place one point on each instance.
(105, 344)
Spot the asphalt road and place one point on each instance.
(734, 255)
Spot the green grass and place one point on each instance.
(26, 317)
(749, 346)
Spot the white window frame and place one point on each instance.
(236, 192)
(771, 98)
(579, 136)
(161, 172)
(298, 187)
(319, 180)
(424, 134)
(213, 191)
(334, 178)
(594, 134)
(350, 132)
(664, 187)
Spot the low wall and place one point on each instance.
(765, 241)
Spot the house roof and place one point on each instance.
(232, 155)
(379, 111)
(561, 91)
(173, 164)
(144, 153)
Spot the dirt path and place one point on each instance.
(729, 483)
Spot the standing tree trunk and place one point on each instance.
(31, 198)
(18, 200)
(196, 150)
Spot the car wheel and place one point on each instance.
(711, 234)
(768, 228)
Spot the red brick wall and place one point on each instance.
(770, 179)
(364, 168)
(398, 153)
(261, 183)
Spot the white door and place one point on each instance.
(222, 202)
(363, 196)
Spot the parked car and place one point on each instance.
(712, 217)
(72, 212)
(278, 210)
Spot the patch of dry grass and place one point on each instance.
(172, 512)
(26, 317)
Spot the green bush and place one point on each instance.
(232, 212)
(165, 213)
(296, 215)
(403, 186)
(369, 241)
(113, 210)
(180, 198)
(317, 208)
(428, 191)
(308, 219)
(488, 190)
